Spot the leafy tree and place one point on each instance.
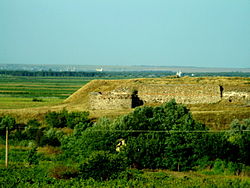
(162, 138)
(102, 165)
(78, 146)
(66, 119)
(56, 119)
(7, 122)
(32, 128)
(50, 137)
(75, 118)
(239, 137)
(155, 137)
(34, 123)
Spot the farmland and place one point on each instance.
(25, 92)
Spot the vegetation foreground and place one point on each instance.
(159, 146)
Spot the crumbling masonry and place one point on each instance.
(124, 98)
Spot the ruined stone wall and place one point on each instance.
(121, 98)
(182, 93)
(110, 100)
(236, 96)
(236, 93)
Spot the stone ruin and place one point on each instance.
(126, 98)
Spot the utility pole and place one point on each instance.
(7, 147)
(8, 123)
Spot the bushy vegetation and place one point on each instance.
(102, 165)
(67, 119)
(48, 132)
(164, 138)
(38, 177)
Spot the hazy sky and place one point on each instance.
(211, 33)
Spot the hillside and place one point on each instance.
(217, 113)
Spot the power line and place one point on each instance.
(168, 131)
(156, 131)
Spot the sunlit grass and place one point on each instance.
(21, 102)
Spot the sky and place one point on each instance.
(202, 33)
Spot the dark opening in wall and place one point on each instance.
(221, 91)
(136, 101)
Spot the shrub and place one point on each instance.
(239, 137)
(50, 137)
(164, 137)
(77, 147)
(31, 130)
(54, 119)
(173, 147)
(102, 165)
(80, 127)
(145, 147)
(32, 157)
(66, 119)
(227, 168)
(37, 100)
(63, 172)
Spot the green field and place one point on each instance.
(48, 174)
(24, 92)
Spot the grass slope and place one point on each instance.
(217, 116)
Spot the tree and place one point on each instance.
(155, 137)
(162, 137)
(32, 129)
(66, 119)
(7, 123)
(238, 136)
(102, 165)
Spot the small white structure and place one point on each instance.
(178, 74)
(121, 143)
(99, 70)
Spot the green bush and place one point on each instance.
(7, 123)
(79, 145)
(37, 100)
(32, 157)
(239, 137)
(102, 165)
(50, 137)
(144, 148)
(226, 168)
(56, 119)
(165, 137)
(173, 147)
(66, 119)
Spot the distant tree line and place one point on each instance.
(86, 74)
(227, 74)
(130, 74)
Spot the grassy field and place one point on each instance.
(25, 92)
(46, 174)
(31, 97)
